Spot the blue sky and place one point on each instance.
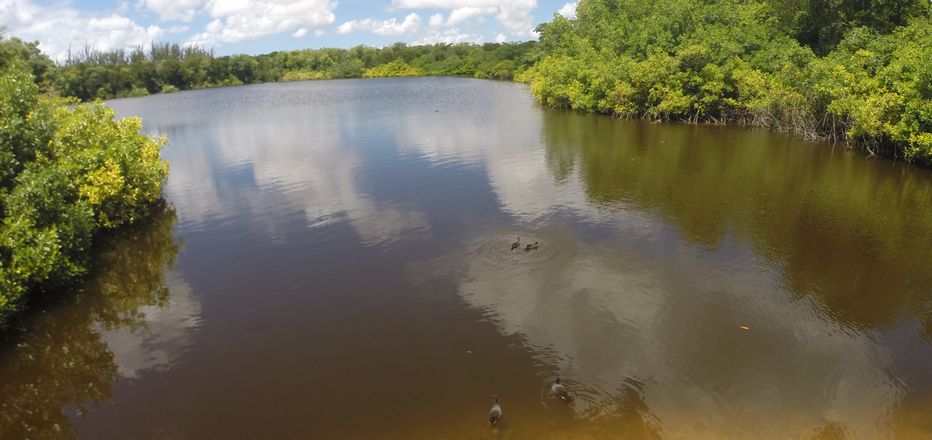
(259, 26)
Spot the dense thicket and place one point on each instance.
(67, 172)
(170, 67)
(751, 62)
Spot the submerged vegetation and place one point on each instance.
(751, 62)
(67, 173)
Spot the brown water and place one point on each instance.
(335, 263)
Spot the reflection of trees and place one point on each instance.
(56, 357)
(852, 232)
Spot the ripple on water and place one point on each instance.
(589, 401)
(496, 250)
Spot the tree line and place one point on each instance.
(169, 67)
(843, 70)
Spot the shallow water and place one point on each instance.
(336, 263)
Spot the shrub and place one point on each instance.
(69, 172)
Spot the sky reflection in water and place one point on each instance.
(349, 239)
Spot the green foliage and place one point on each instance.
(734, 61)
(882, 86)
(822, 24)
(25, 126)
(169, 68)
(67, 173)
(302, 75)
(395, 68)
(27, 54)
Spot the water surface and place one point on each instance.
(335, 263)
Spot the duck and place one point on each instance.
(516, 244)
(530, 247)
(558, 390)
(495, 414)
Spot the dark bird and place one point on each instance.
(530, 247)
(558, 390)
(516, 244)
(495, 414)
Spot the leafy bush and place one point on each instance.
(303, 75)
(68, 173)
(395, 68)
(733, 61)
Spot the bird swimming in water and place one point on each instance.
(495, 414)
(516, 244)
(558, 390)
(530, 247)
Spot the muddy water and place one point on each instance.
(336, 262)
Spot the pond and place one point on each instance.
(335, 261)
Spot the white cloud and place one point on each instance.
(436, 20)
(382, 27)
(299, 33)
(227, 7)
(568, 10)
(514, 15)
(243, 20)
(446, 4)
(177, 29)
(168, 330)
(460, 15)
(183, 10)
(449, 36)
(60, 28)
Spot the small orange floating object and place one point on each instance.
(744, 327)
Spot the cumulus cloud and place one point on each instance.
(183, 10)
(243, 20)
(460, 15)
(299, 33)
(436, 20)
(514, 15)
(449, 36)
(568, 10)
(60, 28)
(177, 29)
(382, 27)
(446, 4)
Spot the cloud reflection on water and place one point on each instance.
(304, 166)
(645, 274)
(602, 316)
(161, 333)
(605, 316)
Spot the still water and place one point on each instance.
(334, 262)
